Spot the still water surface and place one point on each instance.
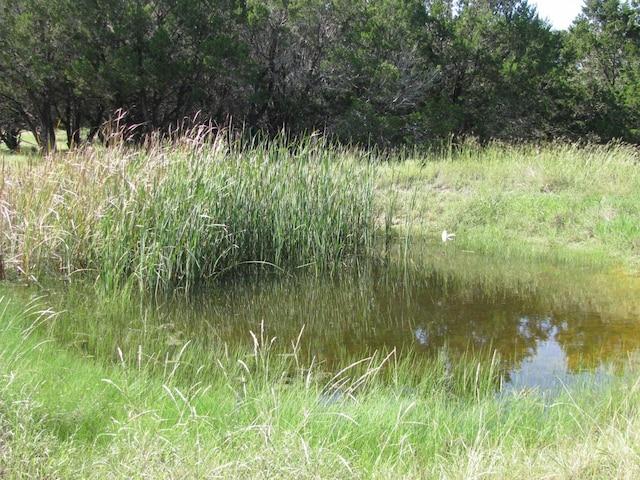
(548, 324)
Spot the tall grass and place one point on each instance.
(556, 201)
(266, 415)
(174, 215)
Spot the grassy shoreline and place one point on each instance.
(255, 413)
(67, 417)
(175, 216)
(557, 202)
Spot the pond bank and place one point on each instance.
(555, 202)
(128, 389)
(64, 416)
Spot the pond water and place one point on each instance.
(548, 324)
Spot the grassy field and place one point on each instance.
(29, 149)
(171, 217)
(67, 417)
(555, 202)
(176, 216)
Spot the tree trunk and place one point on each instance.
(47, 138)
(11, 138)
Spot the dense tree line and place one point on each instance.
(387, 72)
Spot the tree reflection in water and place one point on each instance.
(533, 316)
(539, 316)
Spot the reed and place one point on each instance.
(175, 215)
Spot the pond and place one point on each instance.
(547, 324)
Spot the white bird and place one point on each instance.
(447, 236)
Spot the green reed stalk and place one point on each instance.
(177, 215)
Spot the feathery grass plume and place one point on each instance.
(175, 214)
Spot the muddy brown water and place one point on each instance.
(547, 323)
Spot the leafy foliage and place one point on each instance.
(387, 72)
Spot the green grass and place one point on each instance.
(29, 153)
(18, 158)
(64, 416)
(554, 202)
(29, 144)
(175, 216)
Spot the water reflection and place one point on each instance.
(542, 320)
(522, 328)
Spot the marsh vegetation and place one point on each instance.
(265, 414)
(217, 309)
(174, 216)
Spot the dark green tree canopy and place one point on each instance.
(385, 72)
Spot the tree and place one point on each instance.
(379, 73)
(11, 124)
(168, 59)
(287, 41)
(604, 43)
(388, 72)
(32, 38)
(498, 62)
(71, 64)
